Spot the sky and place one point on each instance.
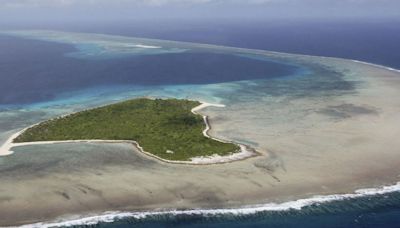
(67, 10)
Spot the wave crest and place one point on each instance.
(112, 216)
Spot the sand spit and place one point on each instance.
(245, 151)
(338, 150)
(327, 140)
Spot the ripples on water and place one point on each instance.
(371, 211)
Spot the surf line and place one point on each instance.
(299, 204)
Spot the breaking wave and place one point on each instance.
(112, 216)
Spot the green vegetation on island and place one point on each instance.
(165, 128)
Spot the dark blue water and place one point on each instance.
(372, 211)
(33, 71)
(371, 41)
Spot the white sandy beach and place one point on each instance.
(326, 144)
(302, 156)
(245, 152)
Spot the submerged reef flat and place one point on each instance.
(328, 127)
(165, 128)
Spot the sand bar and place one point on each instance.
(329, 142)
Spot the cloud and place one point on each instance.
(63, 3)
(73, 9)
(30, 3)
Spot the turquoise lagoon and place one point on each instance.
(307, 115)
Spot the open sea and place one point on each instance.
(56, 75)
(373, 211)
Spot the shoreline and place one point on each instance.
(295, 178)
(298, 204)
(245, 151)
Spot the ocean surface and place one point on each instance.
(370, 40)
(54, 73)
(371, 211)
(58, 77)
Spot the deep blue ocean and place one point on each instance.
(22, 60)
(375, 211)
(371, 41)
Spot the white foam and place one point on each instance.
(147, 46)
(376, 65)
(112, 216)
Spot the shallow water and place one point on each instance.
(382, 211)
(290, 108)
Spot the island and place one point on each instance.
(327, 132)
(167, 128)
